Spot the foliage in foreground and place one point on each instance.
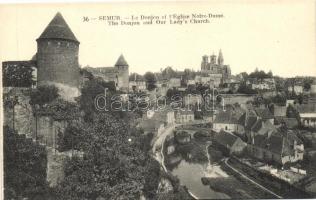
(113, 167)
(24, 167)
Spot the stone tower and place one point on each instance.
(123, 77)
(57, 54)
(220, 59)
(213, 59)
(204, 62)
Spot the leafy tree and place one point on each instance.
(73, 138)
(291, 112)
(172, 92)
(307, 85)
(132, 76)
(90, 91)
(113, 166)
(244, 75)
(17, 76)
(168, 73)
(279, 99)
(150, 80)
(245, 89)
(24, 167)
(44, 94)
(152, 179)
(260, 74)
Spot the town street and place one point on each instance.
(157, 144)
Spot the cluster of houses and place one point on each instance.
(261, 84)
(265, 135)
(157, 121)
(297, 87)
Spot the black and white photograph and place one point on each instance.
(167, 100)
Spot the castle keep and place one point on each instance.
(56, 62)
(57, 54)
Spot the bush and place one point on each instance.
(152, 179)
(24, 167)
(72, 138)
(44, 94)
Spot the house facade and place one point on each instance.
(229, 121)
(276, 148)
(184, 117)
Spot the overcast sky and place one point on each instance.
(271, 35)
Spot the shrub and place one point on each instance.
(44, 94)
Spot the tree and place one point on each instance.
(291, 112)
(245, 89)
(17, 76)
(24, 167)
(307, 85)
(244, 75)
(113, 166)
(152, 179)
(134, 76)
(44, 94)
(168, 73)
(260, 74)
(73, 138)
(90, 91)
(150, 80)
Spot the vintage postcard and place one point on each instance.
(158, 100)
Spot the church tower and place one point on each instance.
(213, 59)
(57, 54)
(220, 59)
(123, 70)
(204, 63)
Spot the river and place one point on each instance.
(190, 175)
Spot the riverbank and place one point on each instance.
(280, 188)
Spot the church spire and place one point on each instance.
(220, 59)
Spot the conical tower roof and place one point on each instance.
(121, 61)
(58, 29)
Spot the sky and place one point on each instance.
(270, 35)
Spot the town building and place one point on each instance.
(190, 82)
(232, 143)
(264, 114)
(184, 117)
(307, 113)
(156, 121)
(261, 84)
(229, 121)
(119, 74)
(137, 83)
(313, 87)
(277, 148)
(174, 82)
(193, 99)
(279, 111)
(297, 89)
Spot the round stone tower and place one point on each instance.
(123, 73)
(57, 54)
